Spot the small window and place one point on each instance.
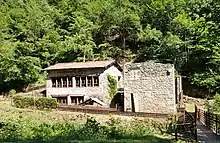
(70, 82)
(119, 77)
(96, 81)
(89, 81)
(77, 82)
(59, 82)
(64, 82)
(77, 100)
(83, 79)
(62, 100)
(53, 82)
(73, 100)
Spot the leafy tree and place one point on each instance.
(35, 34)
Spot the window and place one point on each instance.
(89, 81)
(64, 82)
(119, 77)
(62, 100)
(83, 79)
(70, 82)
(77, 82)
(73, 100)
(59, 82)
(53, 82)
(77, 99)
(96, 80)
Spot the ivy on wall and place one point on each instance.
(112, 86)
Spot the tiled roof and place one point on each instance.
(78, 65)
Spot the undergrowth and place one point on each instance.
(21, 128)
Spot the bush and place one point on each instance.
(48, 103)
(112, 86)
(18, 101)
(40, 103)
(12, 92)
(214, 106)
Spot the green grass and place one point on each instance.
(26, 125)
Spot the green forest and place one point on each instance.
(37, 33)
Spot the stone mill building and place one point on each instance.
(142, 87)
(149, 87)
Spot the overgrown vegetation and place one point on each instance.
(31, 102)
(28, 126)
(112, 86)
(35, 34)
(214, 105)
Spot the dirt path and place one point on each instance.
(205, 135)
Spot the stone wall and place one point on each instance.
(152, 85)
(100, 92)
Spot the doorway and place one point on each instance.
(118, 102)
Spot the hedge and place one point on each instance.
(48, 103)
(30, 102)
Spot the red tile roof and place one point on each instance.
(78, 65)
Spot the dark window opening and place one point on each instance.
(77, 82)
(96, 80)
(168, 73)
(76, 100)
(89, 81)
(119, 77)
(59, 82)
(64, 82)
(70, 82)
(53, 82)
(83, 79)
(62, 100)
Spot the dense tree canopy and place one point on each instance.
(35, 34)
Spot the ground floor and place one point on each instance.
(116, 102)
(69, 100)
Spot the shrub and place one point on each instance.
(18, 101)
(28, 102)
(41, 103)
(12, 92)
(112, 86)
(48, 103)
(10, 131)
(214, 106)
(23, 102)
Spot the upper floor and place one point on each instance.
(82, 77)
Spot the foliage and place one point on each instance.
(12, 92)
(48, 103)
(214, 106)
(35, 34)
(23, 102)
(24, 129)
(112, 86)
(30, 102)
